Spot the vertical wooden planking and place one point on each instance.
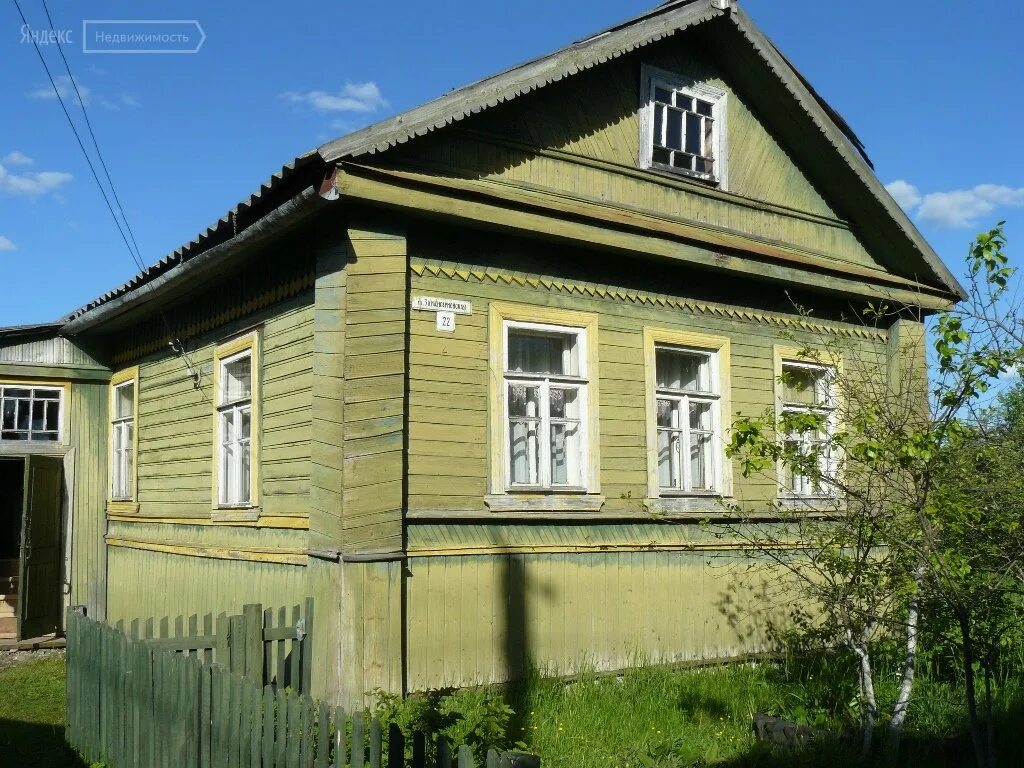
(222, 648)
(294, 731)
(396, 747)
(245, 717)
(492, 758)
(295, 671)
(267, 648)
(252, 617)
(255, 694)
(465, 757)
(269, 708)
(375, 742)
(307, 649)
(306, 753)
(205, 716)
(281, 730)
(282, 621)
(358, 741)
(419, 750)
(444, 752)
(323, 736)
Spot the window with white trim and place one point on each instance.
(688, 420)
(234, 418)
(30, 413)
(123, 442)
(683, 125)
(809, 388)
(545, 382)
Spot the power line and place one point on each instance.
(78, 138)
(95, 143)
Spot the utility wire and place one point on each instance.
(95, 143)
(176, 345)
(78, 138)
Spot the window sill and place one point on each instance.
(235, 514)
(811, 504)
(699, 503)
(544, 502)
(122, 507)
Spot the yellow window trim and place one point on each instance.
(248, 342)
(123, 505)
(676, 337)
(784, 354)
(65, 401)
(498, 314)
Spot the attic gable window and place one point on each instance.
(682, 127)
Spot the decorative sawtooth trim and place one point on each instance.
(640, 297)
(280, 292)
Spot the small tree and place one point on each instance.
(902, 501)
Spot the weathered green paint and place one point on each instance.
(145, 583)
(476, 620)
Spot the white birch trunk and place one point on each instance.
(867, 688)
(899, 710)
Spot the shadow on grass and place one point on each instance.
(39, 746)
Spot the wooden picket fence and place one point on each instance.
(133, 703)
(267, 647)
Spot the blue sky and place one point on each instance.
(935, 89)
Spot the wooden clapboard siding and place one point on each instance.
(176, 419)
(481, 619)
(582, 136)
(150, 583)
(444, 473)
(374, 365)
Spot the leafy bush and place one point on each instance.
(479, 718)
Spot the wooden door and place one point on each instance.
(39, 601)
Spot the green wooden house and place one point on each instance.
(439, 373)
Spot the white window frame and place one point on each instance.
(718, 98)
(33, 388)
(122, 480)
(231, 497)
(802, 486)
(544, 382)
(682, 399)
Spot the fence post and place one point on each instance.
(396, 747)
(375, 739)
(358, 741)
(444, 752)
(222, 645)
(252, 617)
(465, 757)
(307, 649)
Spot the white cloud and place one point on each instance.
(353, 97)
(958, 208)
(16, 158)
(904, 193)
(963, 208)
(1011, 372)
(7, 245)
(66, 90)
(31, 184)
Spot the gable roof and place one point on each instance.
(667, 19)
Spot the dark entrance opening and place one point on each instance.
(12, 505)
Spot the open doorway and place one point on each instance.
(12, 505)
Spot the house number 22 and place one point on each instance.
(446, 322)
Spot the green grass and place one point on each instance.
(32, 716)
(658, 717)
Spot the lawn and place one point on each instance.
(32, 715)
(659, 718)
